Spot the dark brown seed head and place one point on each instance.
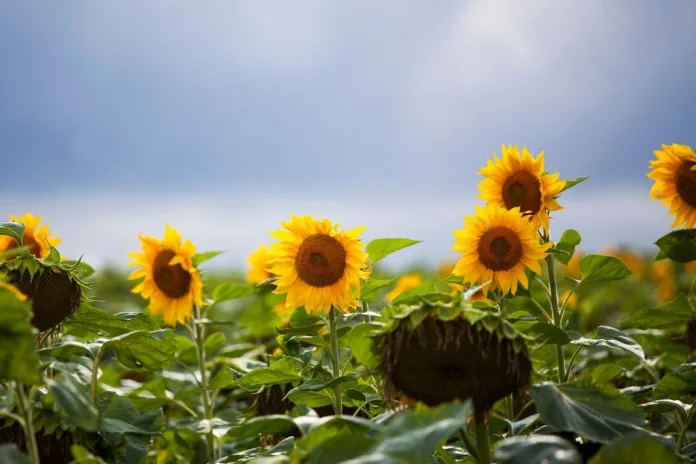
(443, 361)
(54, 296)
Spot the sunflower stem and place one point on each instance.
(205, 398)
(682, 434)
(556, 313)
(468, 444)
(26, 411)
(333, 335)
(95, 373)
(483, 447)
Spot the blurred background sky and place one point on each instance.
(224, 118)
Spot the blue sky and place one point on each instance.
(224, 118)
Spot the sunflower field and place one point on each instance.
(524, 350)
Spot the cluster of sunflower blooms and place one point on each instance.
(319, 266)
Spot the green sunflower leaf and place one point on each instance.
(610, 337)
(572, 183)
(600, 414)
(199, 258)
(380, 248)
(540, 448)
(372, 286)
(232, 291)
(14, 230)
(596, 268)
(671, 314)
(18, 358)
(565, 248)
(679, 246)
(633, 448)
(9, 454)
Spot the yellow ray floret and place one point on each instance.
(170, 280)
(38, 239)
(674, 173)
(497, 246)
(517, 180)
(258, 265)
(404, 283)
(14, 290)
(318, 265)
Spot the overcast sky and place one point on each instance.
(224, 118)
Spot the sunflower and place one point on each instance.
(674, 173)
(404, 283)
(497, 246)
(317, 264)
(171, 281)
(38, 239)
(258, 262)
(518, 181)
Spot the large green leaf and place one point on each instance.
(380, 248)
(334, 439)
(595, 268)
(611, 338)
(599, 414)
(638, 447)
(679, 245)
(413, 435)
(549, 333)
(565, 248)
(101, 322)
(681, 381)
(18, 358)
(232, 291)
(9, 454)
(283, 371)
(267, 425)
(73, 403)
(537, 449)
(572, 183)
(120, 417)
(14, 230)
(671, 314)
(153, 351)
(372, 286)
(317, 384)
(362, 346)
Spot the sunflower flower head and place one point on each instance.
(498, 245)
(518, 180)
(38, 238)
(318, 265)
(170, 280)
(674, 173)
(404, 283)
(258, 265)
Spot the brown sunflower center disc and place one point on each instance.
(321, 260)
(442, 361)
(685, 181)
(500, 249)
(172, 280)
(53, 294)
(523, 190)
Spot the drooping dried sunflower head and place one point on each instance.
(442, 352)
(52, 287)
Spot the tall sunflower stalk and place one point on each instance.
(174, 287)
(198, 333)
(319, 266)
(26, 411)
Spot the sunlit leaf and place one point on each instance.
(596, 268)
(380, 248)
